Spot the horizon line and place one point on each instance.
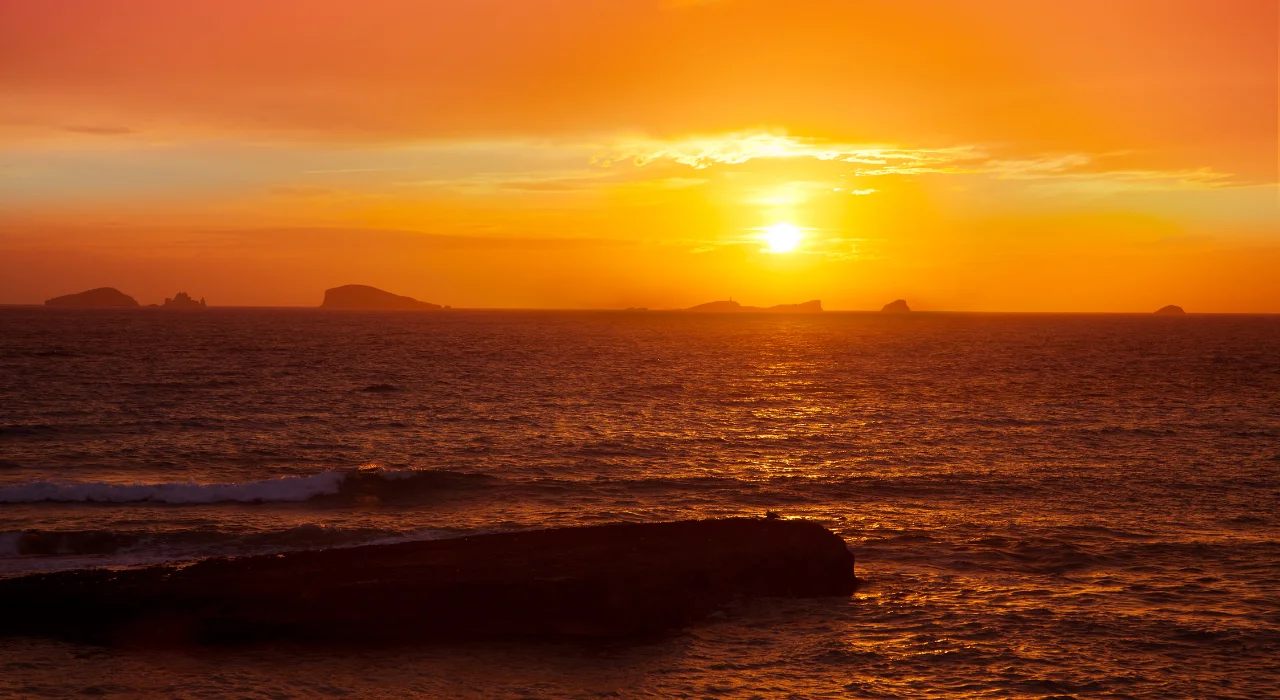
(4, 305)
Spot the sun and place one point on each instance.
(782, 238)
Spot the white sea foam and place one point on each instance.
(286, 488)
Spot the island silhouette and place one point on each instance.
(1170, 310)
(183, 301)
(733, 307)
(366, 298)
(100, 298)
(896, 306)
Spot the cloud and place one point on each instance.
(300, 191)
(348, 171)
(529, 181)
(100, 130)
(685, 4)
(702, 152)
(1088, 171)
(817, 244)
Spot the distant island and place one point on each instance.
(1170, 309)
(733, 307)
(182, 301)
(364, 297)
(896, 306)
(100, 298)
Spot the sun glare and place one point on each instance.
(782, 238)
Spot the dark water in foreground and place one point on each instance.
(1039, 505)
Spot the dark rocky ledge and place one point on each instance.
(620, 580)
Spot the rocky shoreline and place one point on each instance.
(606, 581)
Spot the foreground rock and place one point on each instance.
(100, 298)
(602, 581)
(183, 301)
(364, 297)
(896, 306)
(1170, 309)
(733, 307)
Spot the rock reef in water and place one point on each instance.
(733, 307)
(100, 298)
(896, 306)
(182, 301)
(1170, 309)
(620, 580)
(364, 297)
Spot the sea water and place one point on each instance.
(1039, 505)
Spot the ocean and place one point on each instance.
(1040, 505)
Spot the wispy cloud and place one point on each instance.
(815, 243)
(532, 181)
(285, 191)
(684, 4)
(1085, 169)
(870, 160)
(702, 152)
(345, 171)
(93, 130)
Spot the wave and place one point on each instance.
(200, 542)
(367, 481)
(25, 552)
(37, 542)
(411, 485)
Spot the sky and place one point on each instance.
(987, 155)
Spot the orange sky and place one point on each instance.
(1003, 155)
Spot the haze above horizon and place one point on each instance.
(993, 155)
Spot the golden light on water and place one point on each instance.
(782, 237)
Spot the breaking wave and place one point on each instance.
(200, 542)
(350, 483)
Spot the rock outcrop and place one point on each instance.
(364, 297)
(896, 306)
(617, 580)
(100, 298)
(183, 301)
(733, 307)
(1170, 309)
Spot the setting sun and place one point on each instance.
(782, 238)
